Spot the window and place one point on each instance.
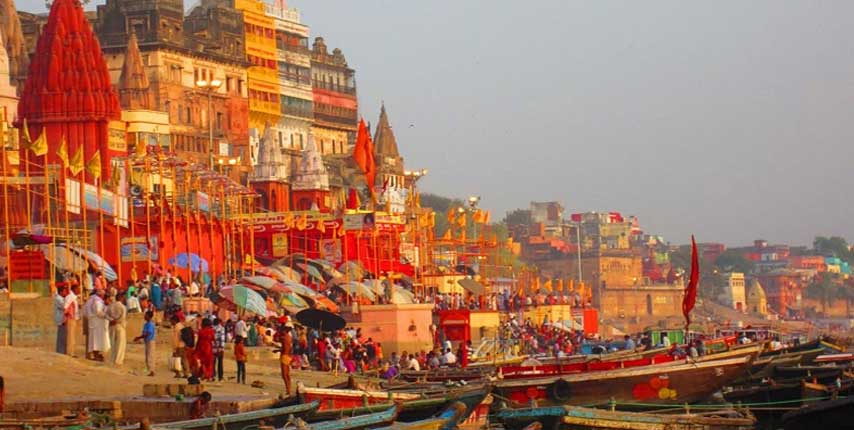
(229, 84)
(281, 140)
(189, 116)
(219, 120)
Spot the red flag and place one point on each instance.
(353, 199)
(363, 153)
(691, 288)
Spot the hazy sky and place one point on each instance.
(727, 119)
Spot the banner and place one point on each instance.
(108, 202)
(330, 250)
(359, 221)
(137, 249)
(90, 197)
(72, 196)
(203, 201)
(280, 244)
(116, 136)
(122, 211)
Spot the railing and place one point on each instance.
(287, 14)
(298, 112)
(271, 108)
(293, 77)
(333, 87)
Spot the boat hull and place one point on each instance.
(575, 418)
(648, 386)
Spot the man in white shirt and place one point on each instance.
(241, 328)
(413, 363)
(665, 340)
(72, 316)
(59, 318)
(450, 357)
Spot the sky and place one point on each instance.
(725, 119)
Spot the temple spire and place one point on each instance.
(385, 144)
(133, 83)
(311, 173)
(271, 163)
(13, 38)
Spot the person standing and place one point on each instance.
(99, 340)
(59, 319)
(286, 353)
(117, 315)
(204, 350)
(240, 358)
(178, 347)
(72, 316)
(219, 346)
(148, 336)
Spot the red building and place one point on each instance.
(783, 290)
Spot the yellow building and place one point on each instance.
(262, 74)
(756, 301)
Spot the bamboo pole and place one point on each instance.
(49, 231)
(7, 224)
(146, 193)
(186, 212)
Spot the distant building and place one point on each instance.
(784, 290)
(711, 251)
(756, 301)
(390, 181)
(336, 108)
(734, 291)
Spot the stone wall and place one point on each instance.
(397, 327)
(26, 321)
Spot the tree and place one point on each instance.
(833, 246)
(711, 282)
(518, 217)
(440, 205)
(823, 290)
(734, 261)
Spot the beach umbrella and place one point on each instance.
(191, 260)
(312, 272)
(291, 260)
(244, 298)
(352, 270)
(320, 301)
(320, 320)
(288, 272)
(358, 289)
(292, 301)
(264, 282)
(97, 262)
(63, 259)
(401, 295)
(300, 289)
(327, 268)
(25, 239)
(272, 272)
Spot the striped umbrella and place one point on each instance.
(244, 298)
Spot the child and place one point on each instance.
(240, 357)
(148, 331)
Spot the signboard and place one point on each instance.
(360, 221)
(203, 201)
(72, 196)
(330, 250)
(117, 137)
(138, 249)
(280, 244)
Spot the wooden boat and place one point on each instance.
(804, 347)
(418, 409)
(846, 358)
(276, 417)
(446, 420)
(827, 415)
(447, 374)
(674, 382)
(821, 372)
(334, 398)
(788, 393)
(52, 423)
(574, 417)
(378, 419)
(763, 367)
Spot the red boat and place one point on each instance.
(656, 380)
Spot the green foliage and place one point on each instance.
(711, 282)
(440, 205)
(518, 217)
(823, 289)
(833, 246)
(734, 261)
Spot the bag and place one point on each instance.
(175, 364)
(188, 337)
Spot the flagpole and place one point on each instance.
(27, 185)
(161, 200)
(172, 212)
(64, 176)
(186, 211)
(101, 247)
(49, 232)
(7, 224)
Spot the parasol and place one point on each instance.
(97, 262)
(358, 289)
(288, 272)
(63, 259)
(191, 260)
(244, 298)
(327, 268)
(291, 301)
(273, 272)
(352, 270)
(291, 260)
(312, 272)
(264, 282)
(320, 320)
(401, 295)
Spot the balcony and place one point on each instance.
(265, 107)
(286, 14)
(321, 85)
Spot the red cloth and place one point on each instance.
(691, 289)
(204, 352)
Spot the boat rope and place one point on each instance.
(712, 406)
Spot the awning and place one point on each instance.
(472, 286)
